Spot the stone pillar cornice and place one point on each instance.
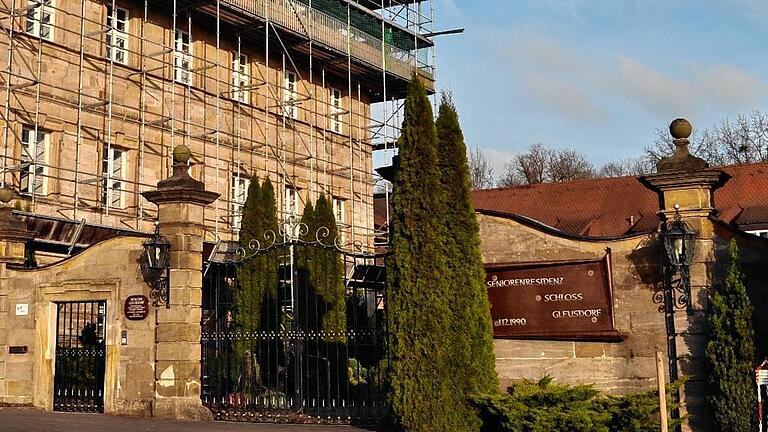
(692, 191)
(180, 195)
(708, 178)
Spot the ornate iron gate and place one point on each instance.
(78, 383)
(295, 332)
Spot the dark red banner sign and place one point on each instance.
(552, 300)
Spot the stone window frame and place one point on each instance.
(340, 214)
(183, 56)
(241, 76)
(238, 191)
(34, 25)
(119, 35)
(291, 202)
(290, 94)
(30, 166)
(336, 106)
(108, 157)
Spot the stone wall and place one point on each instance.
(617, 367)
(629, 365)
(107, 271)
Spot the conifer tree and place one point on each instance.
(324, 272)
(421, 392)
(256, 277)
(255, 294)
(267, 263)
(731, 352)
(248, 295)
(472, 332)
(329, 273)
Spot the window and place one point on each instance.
(290, 95)
(338, 210)
(336, 111)
(34, 161)
(340, 214)
(40, 18)
(113, 169)
(117, 35)
(182, 58)
(291, 202)
(241, 77)
(240, 186)
(291, 212)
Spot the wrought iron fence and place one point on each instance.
(295, 332)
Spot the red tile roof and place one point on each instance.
(620, 206)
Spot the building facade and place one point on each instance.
(97, 93)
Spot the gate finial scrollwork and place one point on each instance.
(295, 233)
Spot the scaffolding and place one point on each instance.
(98, 93)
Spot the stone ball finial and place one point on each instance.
(181, 154)
(680, 128)
(6, 195)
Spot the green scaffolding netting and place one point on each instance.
(365, 23)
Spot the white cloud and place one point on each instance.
(568, 98)
(559, 78)
(729, 86)
(587, 89)
(722, 87)
(655, 91)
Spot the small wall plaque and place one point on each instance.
(22, 309)
(136, 307)
(18, 349)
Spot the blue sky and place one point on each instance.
(598, 76)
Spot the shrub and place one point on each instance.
(544, 406)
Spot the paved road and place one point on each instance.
(31, 420)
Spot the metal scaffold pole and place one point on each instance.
(217, 213)
(6, 108)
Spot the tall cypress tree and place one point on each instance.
(248, 294)
(267, 263)
(256, 276)
(731, 352)
(472, 332)
(323, 270)
(329, 274)
(420, 318)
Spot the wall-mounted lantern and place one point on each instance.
(156, 267)
(679, 240)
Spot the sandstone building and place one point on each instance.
(97, 93)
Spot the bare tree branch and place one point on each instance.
(527, 168)
(568, 165)
(741, 140)
(480, 170)
(627, 167)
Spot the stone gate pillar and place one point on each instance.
(685, 184)
(180, 201)
(13, 239)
